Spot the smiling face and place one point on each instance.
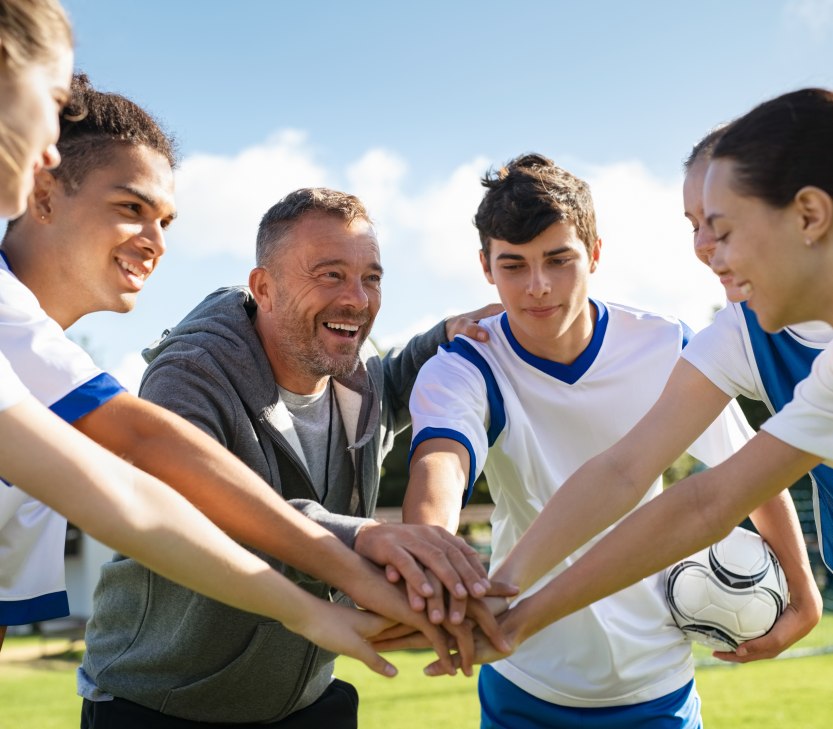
(317, 299)
(31, 98)
(106, 238)
(543, 285)
(763, 249)
(704, 243)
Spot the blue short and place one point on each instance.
(505, 706)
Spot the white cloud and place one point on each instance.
(221, 199)
(433, 224)
(815, 16)
(377, 179)
(647, 257)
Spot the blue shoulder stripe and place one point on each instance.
(782, 361)
(494, 398)
(87, 397)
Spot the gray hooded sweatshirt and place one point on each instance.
(160, 645)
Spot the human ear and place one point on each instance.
(595, 253)
(41, 197)
(815, 208)
(260, 281)
(487, 269)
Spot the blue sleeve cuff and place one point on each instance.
(430, 433)
(33, 610)
(87, 397)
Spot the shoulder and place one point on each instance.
(632, 321)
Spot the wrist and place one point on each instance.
(516, 626)
(300, 612)
(362, 533)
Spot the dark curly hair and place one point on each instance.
(94, 123)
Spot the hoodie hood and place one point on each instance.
(222, 324)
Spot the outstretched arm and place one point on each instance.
(216, 482)
(139, 516)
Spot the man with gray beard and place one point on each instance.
(281, 374)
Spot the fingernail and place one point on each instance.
(390, 670)
(478, 589)
(456, 618)
(427, 590)
(436, 616)
(460, 590)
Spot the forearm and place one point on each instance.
(436, 484)
(572, 517)
(137, 515)
(693, 514)
(218, 483)
(777, 522)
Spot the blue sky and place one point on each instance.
(407, 106)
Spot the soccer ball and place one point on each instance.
(728, 593)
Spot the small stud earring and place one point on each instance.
(809, 242)
(43, 217)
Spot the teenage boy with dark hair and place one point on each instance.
(562, 377)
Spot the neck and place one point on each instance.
(566, 347)
(31, 261)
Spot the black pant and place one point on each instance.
(337, 708)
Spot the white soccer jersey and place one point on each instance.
(529, 423)
(12, 390)
(741, 358)
(62, 376)
(56, 371)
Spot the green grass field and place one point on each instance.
(789, 692)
